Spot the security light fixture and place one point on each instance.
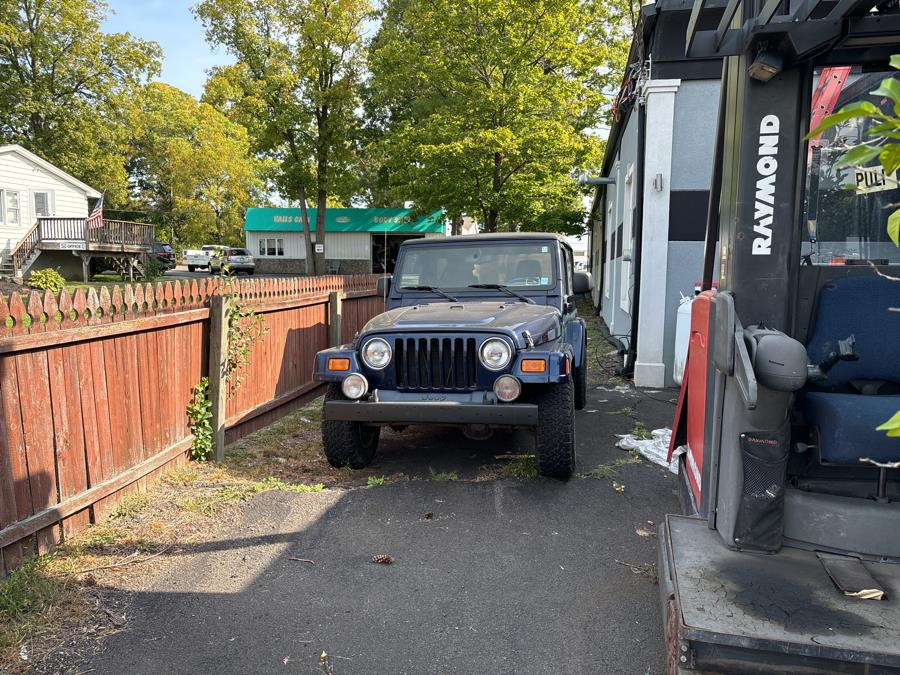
(766, 65)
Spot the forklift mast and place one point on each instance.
(788, 558)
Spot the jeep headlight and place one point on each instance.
(495, 354)
(376, 353)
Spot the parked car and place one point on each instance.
(199, 259)
(237, 260)
(165, 255)
(480, 332)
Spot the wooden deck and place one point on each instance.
(112, 238)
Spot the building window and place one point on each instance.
(271, 247)
(9, 206)
(43, 204)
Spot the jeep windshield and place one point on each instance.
(462, 267)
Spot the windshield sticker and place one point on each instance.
(543, 249)
(545, 281)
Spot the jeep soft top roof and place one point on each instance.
(494, 236)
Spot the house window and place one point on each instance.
(43, 204)
(9, 200)
(271, 247)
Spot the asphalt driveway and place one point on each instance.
(503, 576)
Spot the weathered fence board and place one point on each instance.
(94, 388)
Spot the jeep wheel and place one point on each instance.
(191, 268)
(581, 385)
(348, 443)
(555, 434)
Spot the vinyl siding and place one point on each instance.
(19, 175)
(338, 245)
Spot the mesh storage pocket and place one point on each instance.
(760, 520)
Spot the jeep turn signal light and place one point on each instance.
(338, 364)
(534, 366)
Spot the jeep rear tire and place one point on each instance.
(191, 268)
(555, 433)
(347, 443)
(581, 385)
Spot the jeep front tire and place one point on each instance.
(347, 443)
(555, 433)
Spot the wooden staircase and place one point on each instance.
(119, 240)
(21, 257)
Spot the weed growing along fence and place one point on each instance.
(95, 388)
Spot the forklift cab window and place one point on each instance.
(847, 207)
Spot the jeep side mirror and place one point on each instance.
(383, 286)
(582, 283)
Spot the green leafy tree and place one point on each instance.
(881, 144)
(65, 86)
(295, 86)
(191, 161)
(485, 108)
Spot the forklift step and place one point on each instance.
(739, 610)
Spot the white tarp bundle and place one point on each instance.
(655, 448)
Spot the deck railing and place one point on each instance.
(109, 233)
(25, 248)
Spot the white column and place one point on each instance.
(649, 368)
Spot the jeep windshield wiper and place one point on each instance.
(430, 289)
(505, 289)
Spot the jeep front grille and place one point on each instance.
(435, 363)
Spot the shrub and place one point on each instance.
(199, 412)
(47, 280)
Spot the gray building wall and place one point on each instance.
(617, 319)
(693, 145)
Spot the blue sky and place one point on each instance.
(186, 56)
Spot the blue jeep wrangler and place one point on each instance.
(480, 332)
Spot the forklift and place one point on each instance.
(786, 558)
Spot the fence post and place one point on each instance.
(335, 299)
(218, 352)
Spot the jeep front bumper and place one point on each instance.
(433, 412)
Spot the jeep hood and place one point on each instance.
(513, 318)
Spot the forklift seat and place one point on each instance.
(846, 419)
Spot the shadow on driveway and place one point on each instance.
(503, 577)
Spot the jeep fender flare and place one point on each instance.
(576, 336)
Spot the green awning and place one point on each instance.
(344, 220)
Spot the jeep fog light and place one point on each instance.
(507, 388)
(354, 386)
(376, 353)
(495, 354)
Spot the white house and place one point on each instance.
(31, 187)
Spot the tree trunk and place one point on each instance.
(491, 224)
(496, 186)
(307, 235)
(456, 226)
(321, 205)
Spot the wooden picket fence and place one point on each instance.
(94, 388)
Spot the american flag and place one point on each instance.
(95, 218)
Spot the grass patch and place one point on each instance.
(131, 506)
(640, 431)
(610, 471)
(28, 597)
(443, 475)
(212, 503)
(523, 466)
(375, 481)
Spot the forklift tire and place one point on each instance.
(581, 385)
(555, 433)
(347, 443)
(192, 268)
